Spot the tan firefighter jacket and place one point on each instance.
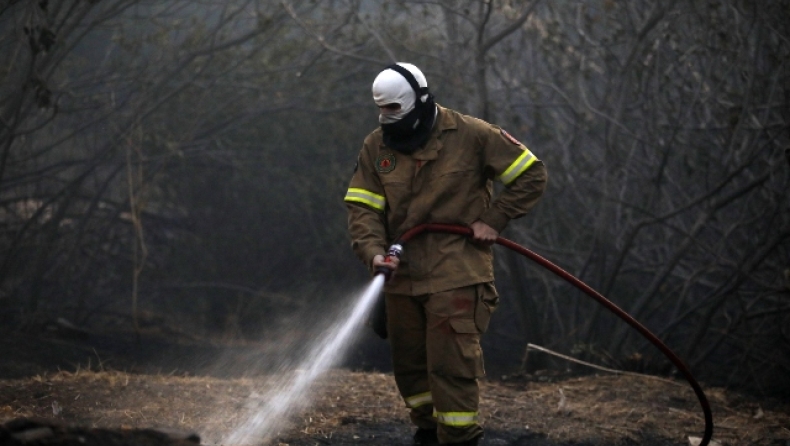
(449, 180)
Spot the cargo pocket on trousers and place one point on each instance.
(469, 355)
(487, 300)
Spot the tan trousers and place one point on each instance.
(437, 358)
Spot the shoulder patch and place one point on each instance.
(509, 137)
(385, 162)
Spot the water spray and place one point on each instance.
(679, 364)
(269, 412)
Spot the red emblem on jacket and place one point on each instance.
(385, 162)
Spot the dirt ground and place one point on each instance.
(79, 391)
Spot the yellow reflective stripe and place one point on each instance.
(367, 197)
(518, 167)
(456, 418)
(418, 400)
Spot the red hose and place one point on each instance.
(462, 230)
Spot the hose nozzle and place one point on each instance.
(395, 251)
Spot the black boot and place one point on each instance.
(426, 437)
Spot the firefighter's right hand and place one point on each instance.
(389, 262)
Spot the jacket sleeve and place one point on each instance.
(366, 203)
(522, 173)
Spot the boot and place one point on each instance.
(426, 437)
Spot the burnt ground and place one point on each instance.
(115, 389)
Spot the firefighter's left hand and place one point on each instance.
(483, 234)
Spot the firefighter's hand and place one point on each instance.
(386, 262)
(483, 234)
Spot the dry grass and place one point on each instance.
(348, 408)
(364, 408)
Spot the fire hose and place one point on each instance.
(397, 248)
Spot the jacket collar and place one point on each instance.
(444, 121)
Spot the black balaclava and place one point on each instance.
(407, 130)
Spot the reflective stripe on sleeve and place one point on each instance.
(458, 419)
(418, 400)
(355, 195)
(519, 166)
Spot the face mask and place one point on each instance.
(412, 131)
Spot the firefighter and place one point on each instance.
(430, 164)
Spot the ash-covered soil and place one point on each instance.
(67, 392)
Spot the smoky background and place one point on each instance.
(180, 165)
